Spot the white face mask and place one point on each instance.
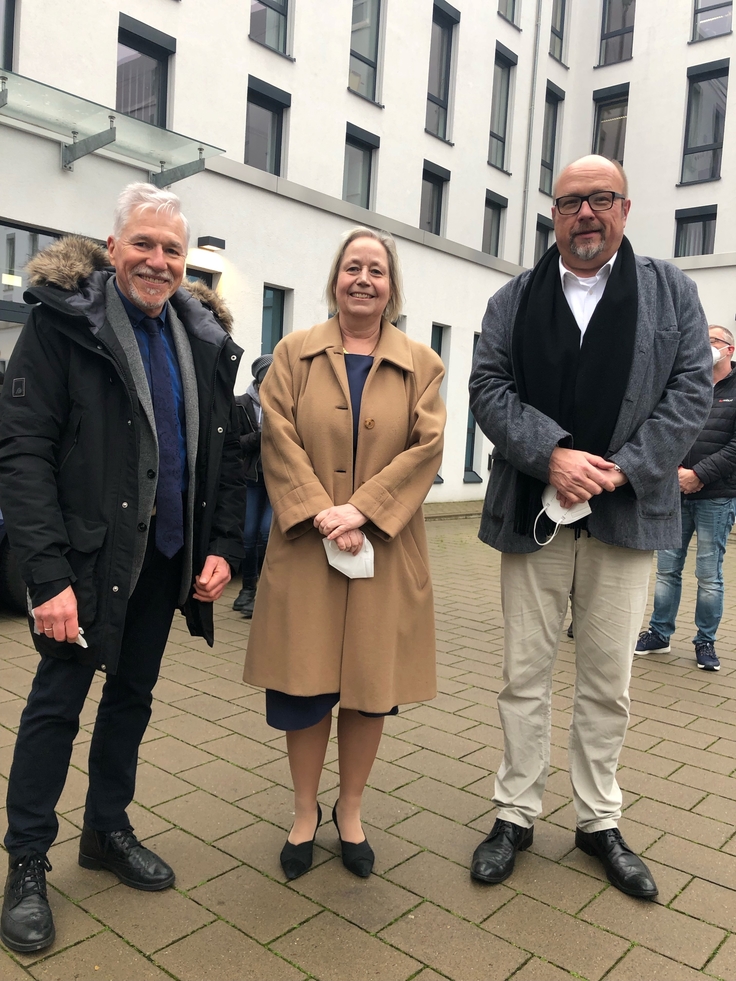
(717, 354)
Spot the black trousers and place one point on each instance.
(50, 720)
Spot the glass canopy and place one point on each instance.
(61, 113)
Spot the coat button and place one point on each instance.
(233, 357)
(369, 423)
(125, 504)
(204, 504)
(142, 526)
(151, 474)
(116, 589)
(220, 429)
(103, 667)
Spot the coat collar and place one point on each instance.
(393, 345)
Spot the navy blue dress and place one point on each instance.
(291, 712)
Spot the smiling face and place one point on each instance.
(588, 239)
(363, 282)
(149, 256)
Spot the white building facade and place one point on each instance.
(444, 124)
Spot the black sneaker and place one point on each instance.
(27, 923)
(705, 655)
(651, 643)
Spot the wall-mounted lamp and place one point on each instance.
(211, 243)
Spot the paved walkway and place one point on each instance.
(213, 799)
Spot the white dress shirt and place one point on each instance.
(583, 294)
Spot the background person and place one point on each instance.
(258, 511)
(352, 441)
(707, 479)
(592, 374)
(122, 381)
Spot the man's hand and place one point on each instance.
(57, 617)
(337, 520)
(689, 481)
(213, 578)
(578, 475)
(351, 541)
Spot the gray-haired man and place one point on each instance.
(119, 383)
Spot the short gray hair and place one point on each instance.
(729, 339)
(142, 195)
(396, 294)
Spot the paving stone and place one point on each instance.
(536, 969)
(552, 884)
(70, 879)
(458, 805)
(641, 963)
(709, 760)
(388, 848)
(452, 946)
(388, 777)
(242, 751)
(717, 807)
(440, 767)
(172, 754)
(205, 816)
(10, 970)
(331, 949)
(659, 789)
(221, 953)
(431, 716)
(276, 804)
(692, 857)
(551, 841)
(723, 964)
(383, 810)
(260, 844)
(680, 822)
(392, 749)
(206, 706)
(74, 792)
(709, 902)
(439, 835)
(102, 958)
(564, 940)
(251, 724)
(154, 786)
(441, 742)
(656, 927)
(192, 860)
(229, 782)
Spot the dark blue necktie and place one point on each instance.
(169, 511)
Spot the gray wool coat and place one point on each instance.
(665, 406)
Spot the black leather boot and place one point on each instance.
(120, 852)
(27, 923)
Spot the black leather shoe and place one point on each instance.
(297, 859)
(27, 923)
(244, 597)
(493, 860)
(121, 853)
(357, 856)
(624, 868)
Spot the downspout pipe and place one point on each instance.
(529, 133)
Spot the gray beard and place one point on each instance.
(143, 301)
(587, 251)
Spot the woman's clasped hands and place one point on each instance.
(341, 524)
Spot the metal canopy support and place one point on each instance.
(166, 177)
(3, 90)
(73, 151)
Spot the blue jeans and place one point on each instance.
(258, 514)
(711, 520)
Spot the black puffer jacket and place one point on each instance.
(713, 455)
(70, 424)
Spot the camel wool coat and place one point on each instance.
(314, 630)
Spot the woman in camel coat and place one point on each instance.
(352, 441)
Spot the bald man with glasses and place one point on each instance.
(592, 379)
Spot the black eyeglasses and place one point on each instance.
(570, 204)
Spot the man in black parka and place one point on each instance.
(122, 490)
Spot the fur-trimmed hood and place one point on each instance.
(71, 260)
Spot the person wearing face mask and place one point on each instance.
(707, 479)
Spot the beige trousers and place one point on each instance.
(608, 587)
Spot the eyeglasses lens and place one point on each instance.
(601, 201)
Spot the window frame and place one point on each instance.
(506, 60)
(445, 23)
(558, 33)
(8, 36)
(153, 44)
(470, 475)
(609, 35)
(280, 7)
(545, 225)
(361, 139)
(367, 61)
(434, 174)
(496, 204)
(267, 341)
(12, 311)
(701, 10)
(602, 98)
(274, 100)
(695, 74)
(552, 98)
(693, 216)
(502, 13)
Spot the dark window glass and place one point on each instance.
(492, 227)
(507, 9)
(430, 215)
(712, 17)
(549, 139)
(438, 86)
(356, 181)
(272, 324)
(706, 113)
(364, 47)
(142, 79)
(471, 477)
(541, 241)
(263, 126)
(438, 333)
(268, 23)
(200, 276)
(17, 248)
(7, 24)
(695, 236)
(499, 112)
(557, 33)
(610, 128)
(617, 33)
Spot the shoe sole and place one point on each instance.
(95, 864)
(493, 880)
(709, 667)
(28, 948)
(638, 894)
(654, 650)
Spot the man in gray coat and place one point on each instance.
(592, 375)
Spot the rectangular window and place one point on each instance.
(18, 245)
(496, 204)
(356, 181)
(364, 48)
(438, 85)
(549, 137)
(272, 323)
(557, 31)
(507, 9)
(143, 71)
(7, 27)
(434, 179)
(611, 111)
(471, 438)
(711, 18)
(440, 344)
(264, 125)
(268, 23)
(696, 231)
(200, 276)
(617, 31)
(545, 229)
(706, 113)
(500, 108)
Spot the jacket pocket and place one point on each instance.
(413, 558)
(86, 539)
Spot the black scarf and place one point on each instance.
(581, 387)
